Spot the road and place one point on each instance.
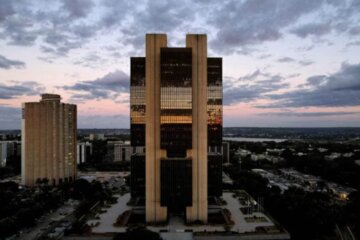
(46, 222)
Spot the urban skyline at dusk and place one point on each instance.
(285, 63)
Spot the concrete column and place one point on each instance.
(154, 212)
(23, 138)
(198, 210)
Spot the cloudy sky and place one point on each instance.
(286, 63)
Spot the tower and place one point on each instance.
(176, 113)
(48, 132)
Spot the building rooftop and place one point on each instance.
(50, 97)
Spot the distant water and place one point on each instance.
(245, 139)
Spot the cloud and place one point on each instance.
(264, 56)
(10, 117)
(6, 9)
(293, 75)
(158, 17)
(315, 29)
(305, 62)
(104, 121)
(286, 59)
(240, 23)
(253, 76)
(241, 90)
(58, 28)
(354, 43)
(306, 48)
(355, 31)
(116, 11)
(78, 8)
(233, 26)
(92, 60)
(307, 114)
(17, 89)
(6, 63)
(316, 80)
(340, 89)
(18, 25)
(108, 86)
(291, 60)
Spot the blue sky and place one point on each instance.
(286, 63)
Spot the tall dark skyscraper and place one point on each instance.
(176, 114)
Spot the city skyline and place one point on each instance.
(294, 67)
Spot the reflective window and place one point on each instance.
(214, 106)
(137, 101)
(176, 101)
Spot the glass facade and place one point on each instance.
(176, 183)
(137, 176)
(137, 101)
(137, 127)
(176, 101)
(176, 125)
(214, 110)
(214, 106)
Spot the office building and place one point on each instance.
(182, 91)
(226, 152)
(9, 151)
(3, 154)
(84, 151)
(118, 151)
(98, 136)
(122, 151)
(48, 141)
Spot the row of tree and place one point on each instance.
(20, 208)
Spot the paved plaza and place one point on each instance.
(176, 224)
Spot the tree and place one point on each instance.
(8, 227)
(81, 189)
(137, 233)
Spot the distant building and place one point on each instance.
(98, 136)
(84, 151)
(122, 151)
(223, 150)
(138, 150)
(241, 153)
(258, 157)
(48, 141)
(3, 154)
(9, 149)
(226, 152)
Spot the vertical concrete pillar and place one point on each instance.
(154, 211)
(199, 208)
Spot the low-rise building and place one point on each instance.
(226, 152)
(122, 151)
(84, 151)
(97, 136)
